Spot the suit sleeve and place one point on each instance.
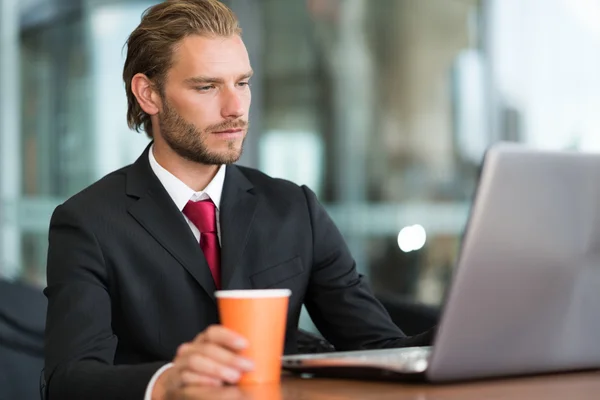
(339, 300)
(79, 342)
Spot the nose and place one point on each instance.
(233, 104)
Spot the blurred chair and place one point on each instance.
(22, 320)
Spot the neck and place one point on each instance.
(195, 175)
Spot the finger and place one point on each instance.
(217, 353)
(189, 378)
(226, 357)
(225, 337)
(202, 365)
(186, 349)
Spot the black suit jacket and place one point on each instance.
(128, 283)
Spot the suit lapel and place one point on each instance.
(157, 213)
(237, 210)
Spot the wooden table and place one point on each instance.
(579, 386)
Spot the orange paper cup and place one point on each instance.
(259, 316)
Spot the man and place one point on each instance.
(134, 259)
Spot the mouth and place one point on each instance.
(230, 133)
(237, 130)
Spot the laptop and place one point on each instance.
(525, 296)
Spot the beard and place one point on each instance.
(189, 142)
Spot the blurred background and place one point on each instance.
(383, 107)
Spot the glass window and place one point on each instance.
(56, 122)
(373, 89)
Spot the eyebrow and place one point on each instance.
(200, 80)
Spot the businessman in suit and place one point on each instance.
(134, 259)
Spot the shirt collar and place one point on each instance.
(182, 193)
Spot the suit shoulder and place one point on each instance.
(279, 195)
(103, 191)
(268, 184)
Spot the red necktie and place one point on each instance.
(202, 214)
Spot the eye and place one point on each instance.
(245, 83)
(204, 88)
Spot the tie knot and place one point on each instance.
(202, 214)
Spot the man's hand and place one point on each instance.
(211, 359)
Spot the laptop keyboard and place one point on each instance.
(406, 360)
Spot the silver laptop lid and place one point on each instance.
(525, 297)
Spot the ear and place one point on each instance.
(146, 94)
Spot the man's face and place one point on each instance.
(206, 99)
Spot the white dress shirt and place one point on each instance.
(180, 194)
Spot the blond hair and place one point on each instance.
(151, 44)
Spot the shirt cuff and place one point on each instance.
(150, 387)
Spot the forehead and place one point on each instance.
(215, 57)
